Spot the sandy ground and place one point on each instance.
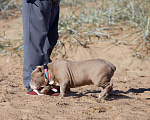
(130, 99)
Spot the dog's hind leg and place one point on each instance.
(106, 90)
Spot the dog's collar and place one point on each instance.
(46, 72)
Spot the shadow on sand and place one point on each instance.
(114, 95)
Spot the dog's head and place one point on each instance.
(38, 78)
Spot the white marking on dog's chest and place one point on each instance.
(54, 83)
(51, 82)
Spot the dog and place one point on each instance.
(71, 74)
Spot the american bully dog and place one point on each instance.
(70, 74)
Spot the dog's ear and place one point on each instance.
(40, 69)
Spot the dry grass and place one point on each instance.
(86, 19)
(9, 7)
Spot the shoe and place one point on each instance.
(34, 92)
(54, 91)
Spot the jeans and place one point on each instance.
(40, 29)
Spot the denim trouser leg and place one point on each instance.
(40, 28)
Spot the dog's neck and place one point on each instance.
(46, 72)
(50, 71)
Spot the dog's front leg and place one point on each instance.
(63, 88)
(45, 89)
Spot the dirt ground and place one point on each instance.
(130, 99)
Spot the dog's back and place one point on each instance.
(84, 72)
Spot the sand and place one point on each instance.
(130, 99)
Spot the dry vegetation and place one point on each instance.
(115, 30)
(86, 21)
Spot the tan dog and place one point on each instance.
(70, 74)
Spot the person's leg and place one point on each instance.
(52, 35)
(52, 38)
(36, 18)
